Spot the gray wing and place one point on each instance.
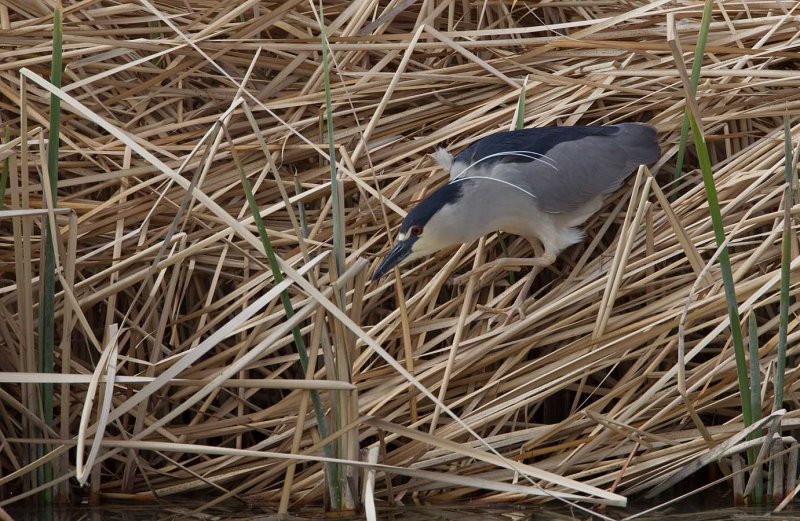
(562, 167)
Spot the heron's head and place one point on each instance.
(430, 226)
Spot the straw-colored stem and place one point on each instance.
(786, 261)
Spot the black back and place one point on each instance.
(535, 140)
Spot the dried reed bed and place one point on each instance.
(164, 287)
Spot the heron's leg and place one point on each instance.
(545, 251)
(490, 270)
(549, 254)
(505, 264)
(522, 296)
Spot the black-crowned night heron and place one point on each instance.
(539, 183)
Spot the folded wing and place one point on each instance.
(563, 168)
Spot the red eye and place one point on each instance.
(416, 230)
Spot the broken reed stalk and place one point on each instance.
(786, 260)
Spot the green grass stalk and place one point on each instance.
(725, 271)
(694, 78)
(786, 260)
(755, 372)
(336, 476)
(301, 208)
(520, 122)
(337, 210)
(300, 345)
(154, 35)
(755, 395)
(46, 356)
(693, 115)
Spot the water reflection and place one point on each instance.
(130, 513)
(137, 512)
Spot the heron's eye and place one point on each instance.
(416, 230)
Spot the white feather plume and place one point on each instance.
(444, 158)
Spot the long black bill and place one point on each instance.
(401, 250)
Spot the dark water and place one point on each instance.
(182, 512)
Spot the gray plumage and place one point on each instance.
(540, 183)
(563, 167)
